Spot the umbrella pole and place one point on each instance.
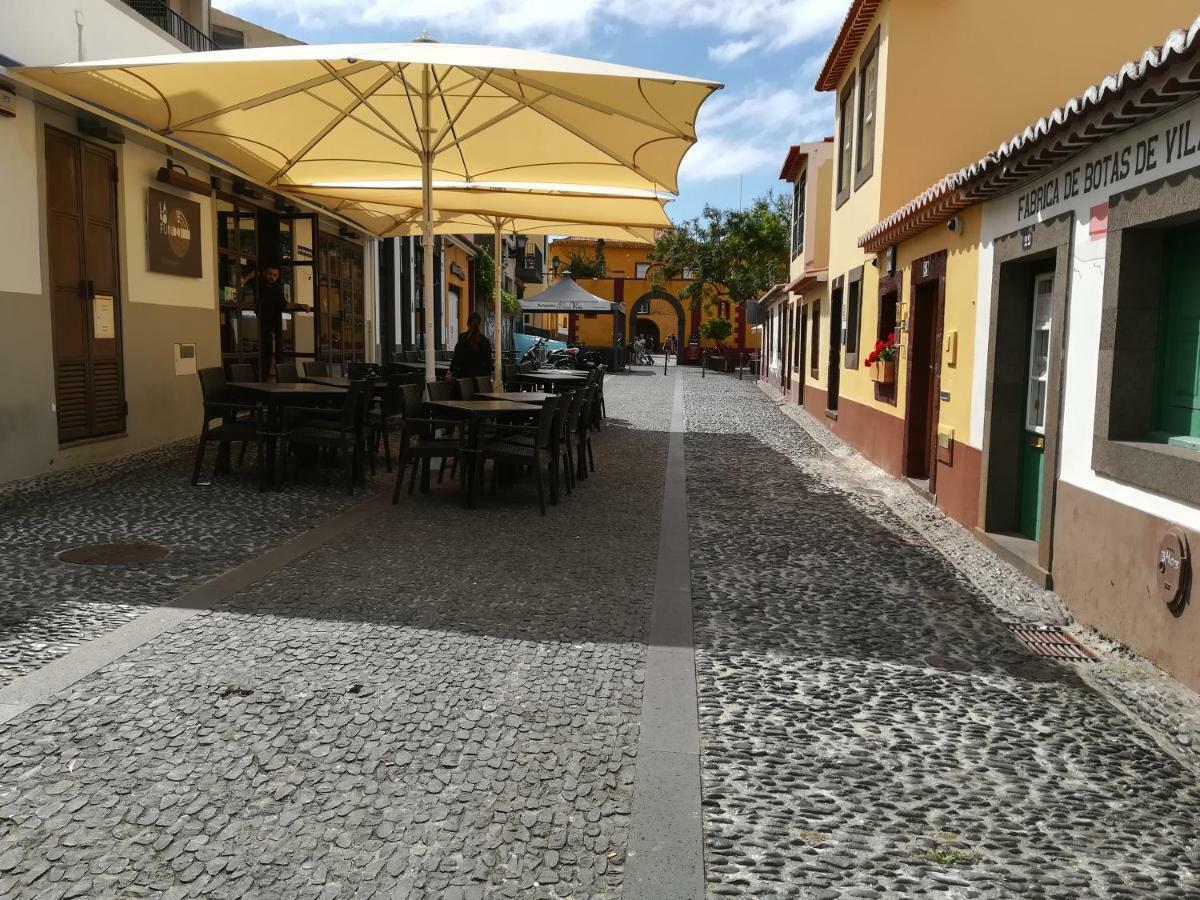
(427, 224)
(498, 272)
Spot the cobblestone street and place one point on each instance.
(443, 703)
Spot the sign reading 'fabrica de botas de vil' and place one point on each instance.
(173, 231)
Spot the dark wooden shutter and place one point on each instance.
(82, 226)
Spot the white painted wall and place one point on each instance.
(139, 168)
(48, 32)
(1003, 216)
(20, 236)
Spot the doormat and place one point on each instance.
(1052, 642)
(113, 554)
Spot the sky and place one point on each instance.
(767, 53)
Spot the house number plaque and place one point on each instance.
(1174, 573)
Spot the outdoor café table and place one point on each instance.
(538, 397)
(555, 379)
(476, 411)
(441, 367)
(340, 381)
(277, 397)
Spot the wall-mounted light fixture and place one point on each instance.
(177, 176)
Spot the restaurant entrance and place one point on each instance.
(250, 239)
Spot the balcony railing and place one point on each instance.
(172, 23)
(529, 267)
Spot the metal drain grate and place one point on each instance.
(113, 554)
(1052, 642)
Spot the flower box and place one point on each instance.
(884, 372)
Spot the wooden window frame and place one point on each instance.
(854, 299)
(864, 152)
(844, 164)
(798, 203)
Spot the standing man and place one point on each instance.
(272, 304)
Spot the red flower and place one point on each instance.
(891, 339)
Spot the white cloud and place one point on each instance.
(731, 50)
(747, 132)
(769, 24)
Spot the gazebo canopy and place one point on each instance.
(568, 296)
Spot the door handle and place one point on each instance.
(89, 289)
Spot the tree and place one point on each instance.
(716, 329)
(730, 254)
(586, 265)
(485, 284)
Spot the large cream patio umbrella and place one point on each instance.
(394, 210)
(313, 114)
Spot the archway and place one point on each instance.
(648, 329)
(667, 319)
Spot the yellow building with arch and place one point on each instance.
(652, 308)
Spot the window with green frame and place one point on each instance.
(1177, 382)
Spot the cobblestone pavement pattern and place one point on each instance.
(869, 728)
(445, 704)
(51, 606)
(439, 704)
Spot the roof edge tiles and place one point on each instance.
(845, 45)
(1139, 90)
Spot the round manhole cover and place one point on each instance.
(113, 554)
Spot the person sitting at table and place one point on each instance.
(472, 353)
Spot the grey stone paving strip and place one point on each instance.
(42, 684)
(666, 848)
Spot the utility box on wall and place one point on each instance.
(945, 445)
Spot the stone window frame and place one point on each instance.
(854, 306)
(1045, 246)
(846, 117)
(864, 153)
(892, 283)
(1129, 336)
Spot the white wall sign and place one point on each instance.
(104, 321)
(185, 359)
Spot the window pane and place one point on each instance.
(846, 142)
(866, 124)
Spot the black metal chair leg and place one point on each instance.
(401, 461)
(201, 443)
(537, 473)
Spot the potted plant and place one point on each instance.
(882, 360)
(718, 329)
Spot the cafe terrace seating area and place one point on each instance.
(537, 425)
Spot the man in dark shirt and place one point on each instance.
(271, 304)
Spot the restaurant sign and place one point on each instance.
(173, 235)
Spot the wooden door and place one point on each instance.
(920, 417)
(801, 352)
(835, 350)
(85, 291)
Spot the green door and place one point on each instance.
(1178, 411)
(1033, 447)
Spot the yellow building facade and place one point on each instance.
(920, 89)
(651, 309)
